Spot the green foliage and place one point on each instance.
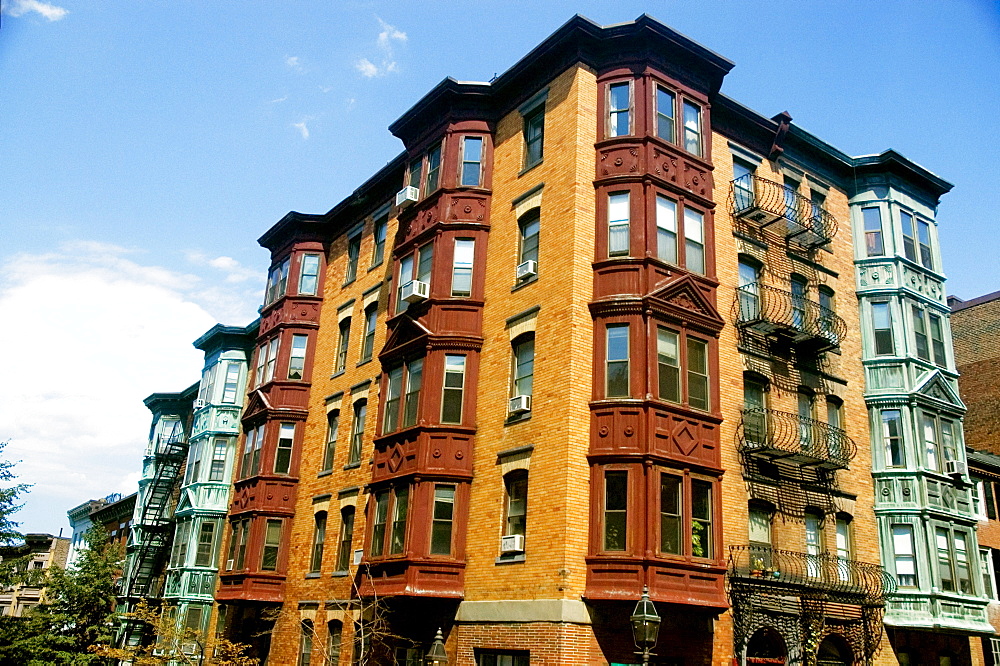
(12, 568)
(77, 613)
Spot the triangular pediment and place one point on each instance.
(256, 403)
(183, 502)
(685, 298)
(935, 387)
(405, 330)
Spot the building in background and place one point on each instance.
(203, 498)
(923, 497)
(116, 518)
(42, 552)
(984, 469)
(80, 523)
(595, 331)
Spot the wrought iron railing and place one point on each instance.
(764, 201)
(797, 438)
(772, 310)
(787, 572)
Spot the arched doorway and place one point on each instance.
(766, 646)
(834, 651)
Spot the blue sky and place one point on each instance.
(147, 144)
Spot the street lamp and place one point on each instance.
(436, 656)
(645, 625)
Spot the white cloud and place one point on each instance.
(234, 271)
(302, 128)
(98, 331)
(279, 100)
(384, 42)
(293, 63)
(46, 10)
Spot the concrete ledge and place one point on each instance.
(536, 610)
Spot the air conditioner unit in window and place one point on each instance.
(527, 269)
(199, 403)
(415, 291)
(512, 543)
(519, 404)
(358, 554)
(407, 196)
(955, 468)
(229, 565)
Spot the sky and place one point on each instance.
(146, 144)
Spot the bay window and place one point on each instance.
(205, 555)
(461, 272)
(924, 241)
(692, 128)
(309, 274)
(454, 388)
(414, 266)
(272, 545)
(615, 512)
(952, 550)
(443, 518)
(909, 235)
(617, 361)
(297, 356)
(232, 383)
(694, 241)
(892, 437)
(882, 328)
(697, 374)
(618, 223)
(872, 219)
(283, 450)
(397, 536)
(219, 454)
(665, 101)
(433, 169)
(666, 229)
(671, 518)
(668, 365)
(389, 520)
(277, 282)
(472, 161)
(619, 109)
(701, 518)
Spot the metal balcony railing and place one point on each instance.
(782, 435)
(773, 311)
(785, 572)
(763, 202)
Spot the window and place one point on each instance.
(421, 260)
(283, 452)
(251, 451)
(791, 198)
(472, 161)
(920, 334)
(701, 518)
(346, 538)
(413, 174)
(620, 109)
(743, 197)
(665, 101)
(343, 344)
(986, 566)
(668, 365)
(332, 425)
(178, 558)
(953, 560)
(692, 128)
(759, 529)
(297, 357)
(353, 252)
(444, 515)
(834, 419)
(397, 537)
(305, 643)
(939, 441)
(357, 432)
(277, 282)
(334, 633)
(754, 414)
(618, 223)
(454, 388)
(319, 536)
(371, 321)
(617, 372)
(412, 373)
(800, 287)
(814, 542)
(461, 272)
(516, 520)
(219, 453)
(882, 327)
(528, 226)
(845, 545)
(749, 291)
(493, 658)
(232, 383)
(909, 235)
(666, 229)
(615, 510)
(872, 217)
(937, 341)
(238, 545)
(379, 228)
(193, 463)
(924, 238)
(433, 169)
(892, 436)
(272, 542)
(694, 241)
(205, 556)
(697, 374)
(309, 274)
(524, 365)
(904, 555)
(804, 403)
(534, 132)
(670, 515)
(206, 390)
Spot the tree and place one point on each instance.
(11, 569)
(77, 611)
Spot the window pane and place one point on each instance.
(394, 387)
(920, 334)
(517, 504)
(405, 275)
(909, 237)
(618, 223)
(666, 229)
(617, 360)
(472, 156)
(882, 326)
(272, 540)
(319, 536)
(664, 114)
(524, 366)
(670, 515)
(454, 385)
(310, 274)
(668, 364)
(433, 169)
(533, 133)
(424, 263)
(892, 433)
(701, 518)
(461, 278)
(698, 374)
(619, 119)
(694, 240)
(399, 511)
(371, 320)
(353, 251)
(332, 425)
(444, 509)
(357, 433)
(529, 237)
(232, 383)
(692, 128)
(924, 231)
(378, 525)
(378, 236)
(414, 376)
(297, 358)
(615, 510)
(873, 231)
(283, 453)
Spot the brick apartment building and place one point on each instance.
(595, 330)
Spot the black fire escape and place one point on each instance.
(153, 530)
